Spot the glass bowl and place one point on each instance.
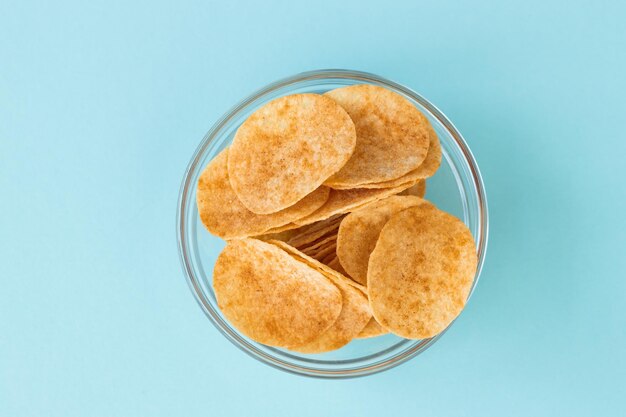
(456, 188)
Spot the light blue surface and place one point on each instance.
(103, 103)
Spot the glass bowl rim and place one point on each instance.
(185, 189)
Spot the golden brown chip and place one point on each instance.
(359, 232)
(318, 244)
(312, 232)
(418, 190)
(329, 249)
(421, 272)
(318, 266)
(271, 297)
(426, 169)
(288, 148)
(371, 329)
(345, 201)
(354, 316)
(355, 313)
(223, 214)
(392, 135)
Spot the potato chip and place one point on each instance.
(355, 312)
(223, 214)
(354, 316)
(371, 329)
(359, 230)
(329, 249)
(418, 190)
(318, 266)
(392, 136)
(318, 244)
(345, 201)
(305, 235)
(426, 169)
(271, 297)
(421, 272)
(287, 149)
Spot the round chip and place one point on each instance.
(271, 297)
(354, 316)
(392, 136)
(359, 230)
(426, 169)
(355, 312)
(345, 201)
(288, 148)
(318, 266)
(421, 272)
(223, 214)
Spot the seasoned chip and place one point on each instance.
(314, 231)
(328, 250)
(287, 149)
(418, 190)
(359, 232)
(371, 329)
(318, 266)
(271, 297)
(426, 169)
(345, 201)
(224, 215)
(391, 135)
(318, 244)
(354, 316)
(421, 272)
(355, 312)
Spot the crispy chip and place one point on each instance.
(312, 232)
(328, 250)
(271, 297)
(287, 149)
(426, 169)
(371, 329)
(354, 316)
(345, 201)
(392, 136)
(421, 272)
(318, 244)
(418, 190)
(223, 214)
(318, 266)
(359, 232)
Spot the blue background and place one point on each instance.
(102, 104)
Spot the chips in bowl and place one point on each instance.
(287, 149)
(329, 239)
